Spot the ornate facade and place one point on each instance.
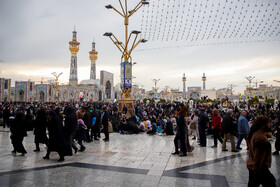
(24, 91)
(5, 89)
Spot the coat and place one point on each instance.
(56, 135)
(40, 127)
(70, 127)
(17, 127)
(259, 152)
(194, 122)
(71, 124)
(105, 119)
(181, 126)
(216, 122)
(87, 119)
(169, 128)
(80, 133)
(243, 126)
(277, 142)
(202, 122)
(228, 125)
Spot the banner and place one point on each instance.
(126, 75)
(82, 95)
(56, 93)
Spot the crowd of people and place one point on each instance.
(61, 126)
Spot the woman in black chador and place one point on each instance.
(56, 136)
(18, 132)
(70, 128)
(41, 128)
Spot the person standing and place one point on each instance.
(216, 127)
(189, 147)
(194, 125)
(6, 116)
(259, 160)
(18, 132)
(80, 134)
(180, 135)
(228, 130)
(70, 129)
(243, 129)
(277, 142)
(95, 127)
(40, 128)
(56, 136)
(105, 123)
(202, 124)
(29, 120)
(88, 122)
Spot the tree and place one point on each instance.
(253, 100)
(162, 101)
(270, 101)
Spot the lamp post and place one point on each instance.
(250, 78)
(126, 50)
(156, 88)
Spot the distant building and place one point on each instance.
(43, 93)
(263, 92)
(24, 91)
(194, 92)
(5, 89)
(221, 93)
(210, 94)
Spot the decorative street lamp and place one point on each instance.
(57, 91)
(156, 88)
(250, 78)
(126, 59)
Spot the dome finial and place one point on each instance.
(74, 31)
(93, 42)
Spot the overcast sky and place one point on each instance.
(34, 38)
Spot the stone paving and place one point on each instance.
(127, 160)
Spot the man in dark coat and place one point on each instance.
(228, 130)
(56, 136)
(202, 124)
(18, 132)
(105, 123)
(180, 135)
(40, 128)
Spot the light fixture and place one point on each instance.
(108, 34)
(109, 6)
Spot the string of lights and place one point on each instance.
(205, 22)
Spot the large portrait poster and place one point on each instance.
(126, 75)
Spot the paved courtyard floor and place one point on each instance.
(127, 160)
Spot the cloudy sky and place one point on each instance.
(34, 38)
